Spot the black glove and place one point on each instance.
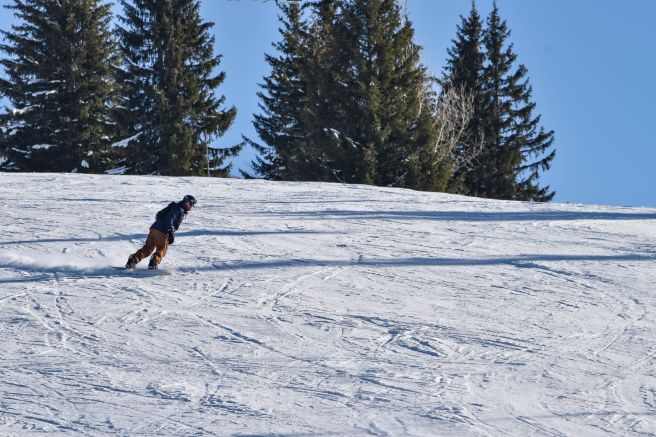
(171, 237)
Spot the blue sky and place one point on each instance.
(591, 64)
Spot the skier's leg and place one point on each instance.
(161, 247)
(147, 249)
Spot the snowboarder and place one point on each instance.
(162, 232)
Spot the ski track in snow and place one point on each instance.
(298, 309)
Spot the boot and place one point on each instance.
(152, 265)
(132, 262)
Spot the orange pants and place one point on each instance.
(157, 242)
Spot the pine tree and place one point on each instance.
(323, 86)
(280, 126)
(346, 99)
(513, 136)
(61, 86)
(464, 72)
(171, 114)
(380, 122)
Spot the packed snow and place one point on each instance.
(308, 309)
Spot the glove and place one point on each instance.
(171, 237)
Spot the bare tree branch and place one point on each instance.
(454, 111)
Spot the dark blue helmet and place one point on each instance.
(189, 199)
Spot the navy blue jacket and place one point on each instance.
(171, 221)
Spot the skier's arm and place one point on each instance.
(174, 224)
(170, 222)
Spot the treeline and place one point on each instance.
(347, 99)
(140, 98)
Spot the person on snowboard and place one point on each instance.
(162, 232)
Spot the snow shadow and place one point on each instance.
(116, 237)
(201, 232)
(521, 261)
(40, 269)
(320, 202)
(469, 216)
(322, 434)
(36, 278)
(43, 271)
(142, 236)
(588, 413)
(44, 274)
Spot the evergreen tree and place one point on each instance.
(280, 126)
(464, 72)
(324, 88)
(380, 123)
(347, 100)
(61, 86)
(171, 113)
(512, 134)
(395, 85)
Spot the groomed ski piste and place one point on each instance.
(309, 309)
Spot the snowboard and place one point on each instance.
(143, 272)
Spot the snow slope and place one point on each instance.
(321, 310)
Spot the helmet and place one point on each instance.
(189, 199)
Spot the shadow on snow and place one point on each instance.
(466, 216)
(128, 237)
(521, 261)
